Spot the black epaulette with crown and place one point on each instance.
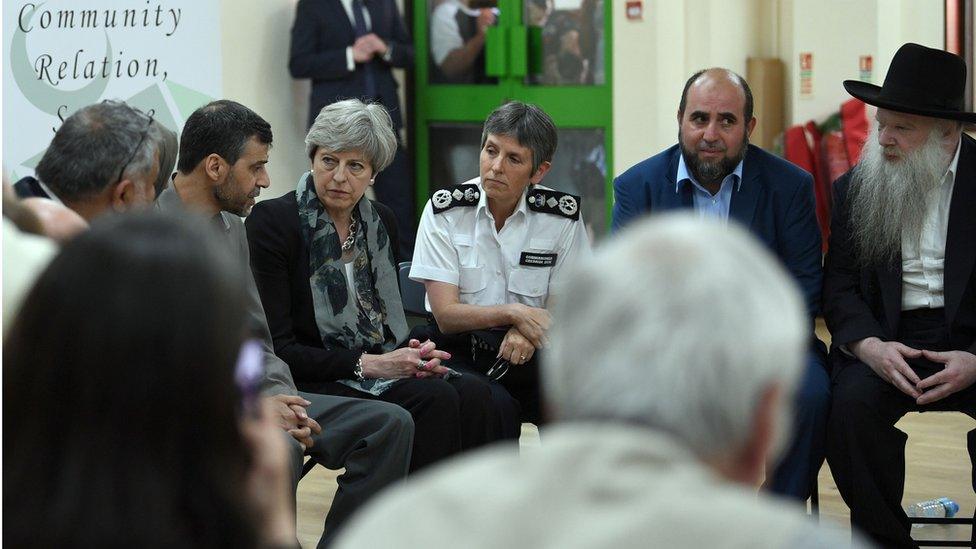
(554, 202)
(460, 195)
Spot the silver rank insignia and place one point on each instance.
(461, 195)
(554, 202)
(441, 198)
(568, 204)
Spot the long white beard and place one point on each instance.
(888, 199)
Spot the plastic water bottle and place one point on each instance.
(933, 508)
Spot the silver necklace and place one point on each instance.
(351, 239)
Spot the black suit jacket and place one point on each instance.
(865, 302)
(319, 38)
(28, 187)
(279, 262)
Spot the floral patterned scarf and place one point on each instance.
(372, 319)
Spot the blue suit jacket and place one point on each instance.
(775, 202)
(319, 38)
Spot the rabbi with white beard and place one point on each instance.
(900, 283)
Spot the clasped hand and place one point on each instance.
(515, 347)
(415, 360)
(887, 359)
(288, 412)
(532, 323)
(366, 46)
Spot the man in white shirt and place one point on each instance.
(900, 283)
(661, 435)
(457, 42)
(492, 251)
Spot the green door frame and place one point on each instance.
(506, 48)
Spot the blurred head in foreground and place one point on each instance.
(675, 350)
(118, 387)
(686, 327)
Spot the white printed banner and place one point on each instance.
(161, 56)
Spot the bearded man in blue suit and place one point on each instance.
(715, 171)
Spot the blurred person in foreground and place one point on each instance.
(121, 431)
(900, 283)
(32, 229)
(660, 435)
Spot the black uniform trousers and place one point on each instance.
(865, 451)
(516, 397)
(449, 415)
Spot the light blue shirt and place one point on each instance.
(706, 204)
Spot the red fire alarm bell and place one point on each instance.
(635, 10)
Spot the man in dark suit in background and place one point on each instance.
(348, 48)
(715, 171)
(900, 283)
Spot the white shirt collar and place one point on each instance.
(522, 206)
(951, 171)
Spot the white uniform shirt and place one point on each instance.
(460, 246)
(923, 262)
(445, 35)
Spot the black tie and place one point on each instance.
(361, 30)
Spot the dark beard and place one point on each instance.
(228, 202)
(708, 173)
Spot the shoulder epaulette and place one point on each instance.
(554, 202)
(460, 195)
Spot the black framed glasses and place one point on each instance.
(142, 138)
(498, 369)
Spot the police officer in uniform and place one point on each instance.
(491, 252)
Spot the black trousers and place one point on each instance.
(516, 398)
(449, 416)
(509, 396)
(865, 451)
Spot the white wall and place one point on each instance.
(254, 39)
(654, 57)
(838, 32)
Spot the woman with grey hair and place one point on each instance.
(325, 262)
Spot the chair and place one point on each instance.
(938, 542)
(310, 464)
(411, 292)
(946, 521)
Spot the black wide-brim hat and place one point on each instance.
(920, 80)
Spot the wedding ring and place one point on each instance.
(422, 365)
(522, 357)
